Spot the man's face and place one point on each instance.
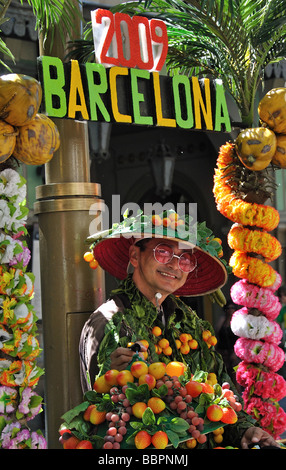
(152, 277)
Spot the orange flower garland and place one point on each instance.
(232, 206)
(241, 238)
(253, 269)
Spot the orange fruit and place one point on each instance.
(88, 256)
(124, 377)
(185, 348)
(212, 340)
(206, 334)
(93, 264)
(101, 385)
(167, 351)
(193, 344)
(138, 368)
(166, 221)
(138, 409)
(144, 342)
(173, 216)
(156, 404)
(184, 337)
(147, 379)
(142, 440)
(178, 343)
(159, 440)
(214, 412)
(158, 350)
(229, 416)
(207, 388)
(163, 343)
(156, 220)
(191, 443)
(157, 369)
(156, 331)
(175, 368)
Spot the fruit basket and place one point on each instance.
(151, 406)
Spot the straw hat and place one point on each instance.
(111, 249)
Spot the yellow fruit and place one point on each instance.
(37, 141)
(138, 409)
(167, 351)
(7, 140)
(218, 438)
(138, 368)
(279, 158)
(157, 369)
(255, 147)
(20, 98)
(156, 331)
(156, 404)
(272, 109)
(163, 343)
(101, 385)
(191, 443)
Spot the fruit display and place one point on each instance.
(242, 185)
(27, 135)
(19, 346)
(152, 406)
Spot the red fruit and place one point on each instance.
(229, 416)
(194, 388)
(71, 443)
(84, 445)
(214, 413)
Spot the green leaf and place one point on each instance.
(173, 437)
(148, 417)
(140, 393)
(71, 414)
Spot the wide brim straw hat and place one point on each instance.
(111, 250)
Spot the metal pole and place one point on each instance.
(70, 289)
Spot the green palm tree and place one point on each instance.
(50, 15)
(232, 40)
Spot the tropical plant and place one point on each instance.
(49, 15)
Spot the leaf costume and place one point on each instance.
(129, 317)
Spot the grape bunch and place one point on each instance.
(117, 418)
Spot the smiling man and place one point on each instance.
(164, 266)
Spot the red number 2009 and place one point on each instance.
(129, 42)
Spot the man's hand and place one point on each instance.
(121, 357)
(257, 436)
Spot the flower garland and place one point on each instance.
(19, 347)
(254, 324)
